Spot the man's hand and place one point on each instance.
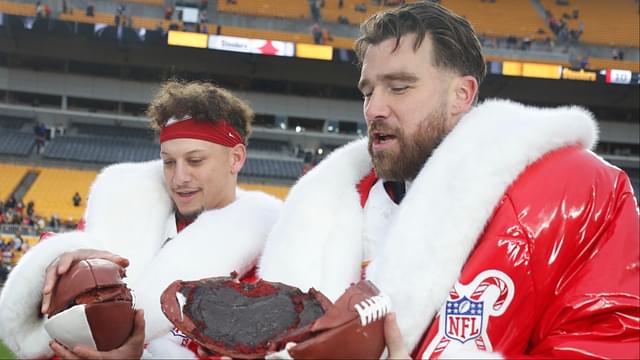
(131, 349)
(62, 264)
(393, 338)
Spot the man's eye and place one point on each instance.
(195, 161)
(168, 162)
(399, 89)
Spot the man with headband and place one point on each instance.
(179, 218)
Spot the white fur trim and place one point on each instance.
(163, 348)
(317, 240)
(127, 212)
(21, 326)
(336, 225)
(128, 192)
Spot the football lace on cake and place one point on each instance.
(373, 308)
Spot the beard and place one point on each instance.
(413, 150)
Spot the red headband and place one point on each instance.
(219, 132)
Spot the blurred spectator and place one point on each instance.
(30, 209)
(54, 222)
(168, 12)
(7, 254)
(574, 35)
(204, 4)
(18, 241)
(340, 4)
(362, 7)
(40, 11)
(119, 16)
(40, 132)
(584, 61)
(40, 223)
(316, 32)
(232, 2)
(20, 208)
(90, 10)
(314, 10)
(76, 199)
(201, 27)
(326, 36)
(343, 20)
(617, 54)
(11, 203)
(65, 7)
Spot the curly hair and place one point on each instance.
(455, 44)
(202, 101)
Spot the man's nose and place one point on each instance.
(376, 107)
(182, 174)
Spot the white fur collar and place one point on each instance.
(317, 240)
(127, 212)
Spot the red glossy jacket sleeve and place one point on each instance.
(586, 271)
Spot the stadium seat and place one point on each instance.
(10, 177)
(53, 189)
(106, 150)
(16, 143)
(610, 23)
(14, 8)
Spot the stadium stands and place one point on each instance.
(13, 122)
(272, 168)
(611, 23)
(300, 9)
(78, 15)
(14, 142)
(53, 189)
(500, 18)
(146, 2)
(264, 145)
(618, 28)
(10, 177)
(16, 8)
(114, 131)
(106, 150)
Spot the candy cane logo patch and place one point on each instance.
(464, 317)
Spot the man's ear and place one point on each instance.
(465, 89)
(237, 156)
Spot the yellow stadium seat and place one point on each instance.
(609, 23)
(53, 189)
(10, 177)
(17, 8)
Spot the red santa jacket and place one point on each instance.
(555, 272)
(513, 239)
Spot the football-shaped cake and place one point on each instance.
(250, 320)
(91, 306)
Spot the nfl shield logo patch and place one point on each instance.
(463, 321)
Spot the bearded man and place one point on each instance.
(493, 229)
